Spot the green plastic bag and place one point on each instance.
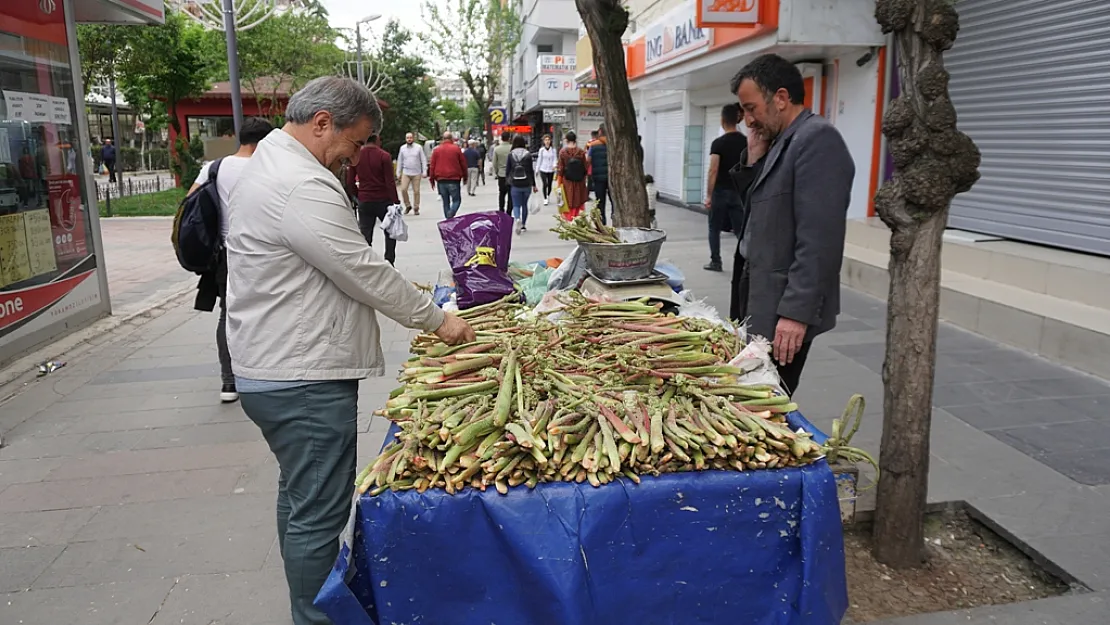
(535, 286)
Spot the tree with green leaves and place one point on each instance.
(473, 39)
(606, 22)
(102, 48)
(933, 162)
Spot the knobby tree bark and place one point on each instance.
(933, 162)
(606, 21)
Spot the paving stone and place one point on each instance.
(1084, 556)
(1080, 510)
(179, 517)
(102, 491)
(247, 598)
(242, 431)
(852, 325)
(67, 445)
(26, 471)
(1038, 440)
(1001, 415)
(174, 459)
(966, 394)
(150, 419)
(101, 604)
(209, 383)
(1086, 467)
(54, 527)
(125, 560)
(23, 565)
(168, 375)
(1074, 609)
(261, 478)
(112, 405)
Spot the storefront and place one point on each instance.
(681, 61)
(1031, 85)
(52, 279)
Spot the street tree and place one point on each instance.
(473, 39)
(933, 162)
(102, 48)
(606, 22)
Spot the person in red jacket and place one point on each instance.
(373, 179)
(446, 173)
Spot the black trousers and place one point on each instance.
(791, 374)
(548, 177)
(601, 192)
(111, 165)
(368, 215)
(504, 204)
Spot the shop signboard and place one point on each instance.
(498, 114)
(557, 115)
(589, 119)
(589, 96)
(518, 129)
(556, 64)
(727, 13)
(557, 88)
(675, 35)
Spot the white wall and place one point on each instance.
(856, 91)
(644, 12)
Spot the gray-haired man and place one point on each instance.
(303, 287)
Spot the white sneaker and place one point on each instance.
(228, 394)
(519, 226)
(545, 201)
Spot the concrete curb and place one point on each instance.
(19, 373)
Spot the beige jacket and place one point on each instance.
(302, 284)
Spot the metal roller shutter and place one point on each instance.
(1031, 85)
(670, 139)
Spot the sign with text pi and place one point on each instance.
(727, 13)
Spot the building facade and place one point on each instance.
(453, 89)
(52, 278)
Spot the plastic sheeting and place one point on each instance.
(713, 547)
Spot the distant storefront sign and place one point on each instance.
(557, 64)
(555, 115)
(558, 88)
(675, 35)
(498, 114)
(589, 96)
(727, 13)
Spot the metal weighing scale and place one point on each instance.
(654, 287)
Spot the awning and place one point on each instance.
(120, 11)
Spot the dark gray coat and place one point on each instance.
(797, 203)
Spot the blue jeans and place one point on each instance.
(520, 197)
(450, 191)
(311, 430)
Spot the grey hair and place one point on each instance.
(346, 100)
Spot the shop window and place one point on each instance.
(210, 127)
(44, 225)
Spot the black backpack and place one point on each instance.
(520, 172)
(575, 170)
(196, 226)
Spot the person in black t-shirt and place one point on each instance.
(721, 198)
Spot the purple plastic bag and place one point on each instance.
(478, 246)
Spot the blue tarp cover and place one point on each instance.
(711, 547)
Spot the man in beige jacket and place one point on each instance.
(303, 287)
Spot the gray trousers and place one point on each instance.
(311, 430)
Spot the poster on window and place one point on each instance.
(59, 111)
(67, 219)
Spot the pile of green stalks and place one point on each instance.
(610, 390)
(587, 227)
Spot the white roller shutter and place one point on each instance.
(670, 138)
(712, 131)
(1031, 85)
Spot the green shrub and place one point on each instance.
(189, 159)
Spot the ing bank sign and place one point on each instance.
(675, 35)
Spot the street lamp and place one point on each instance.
(231, 16)
(358, 42)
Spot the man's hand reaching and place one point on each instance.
(455, 330)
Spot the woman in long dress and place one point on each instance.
(572, 177)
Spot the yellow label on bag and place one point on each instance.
(483, 256)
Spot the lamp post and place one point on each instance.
(358, 43)
(231, 16)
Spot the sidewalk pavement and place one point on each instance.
(129, 495)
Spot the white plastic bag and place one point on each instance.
(394, 224)
(535, 204)
(570, 273)
(756, 358)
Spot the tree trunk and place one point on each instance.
(933, 162)
(606, 21)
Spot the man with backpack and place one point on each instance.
(597, 157)
(572, 176)
(213, 187)
(500, 162)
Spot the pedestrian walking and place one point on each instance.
(597, 160)
(473, 166)
(721, 197)
(546, 161)
(446, 174)
(372, 179)
(500, 160)
(108, 158)
(412, 165)
(213, 285)
(483, 153)
(572, 176)
(795, 182)
(522, 177)
(303, 291)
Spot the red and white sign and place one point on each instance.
(67, 219)
(39, 306)
(727, 13)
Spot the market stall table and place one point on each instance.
(757, 547)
